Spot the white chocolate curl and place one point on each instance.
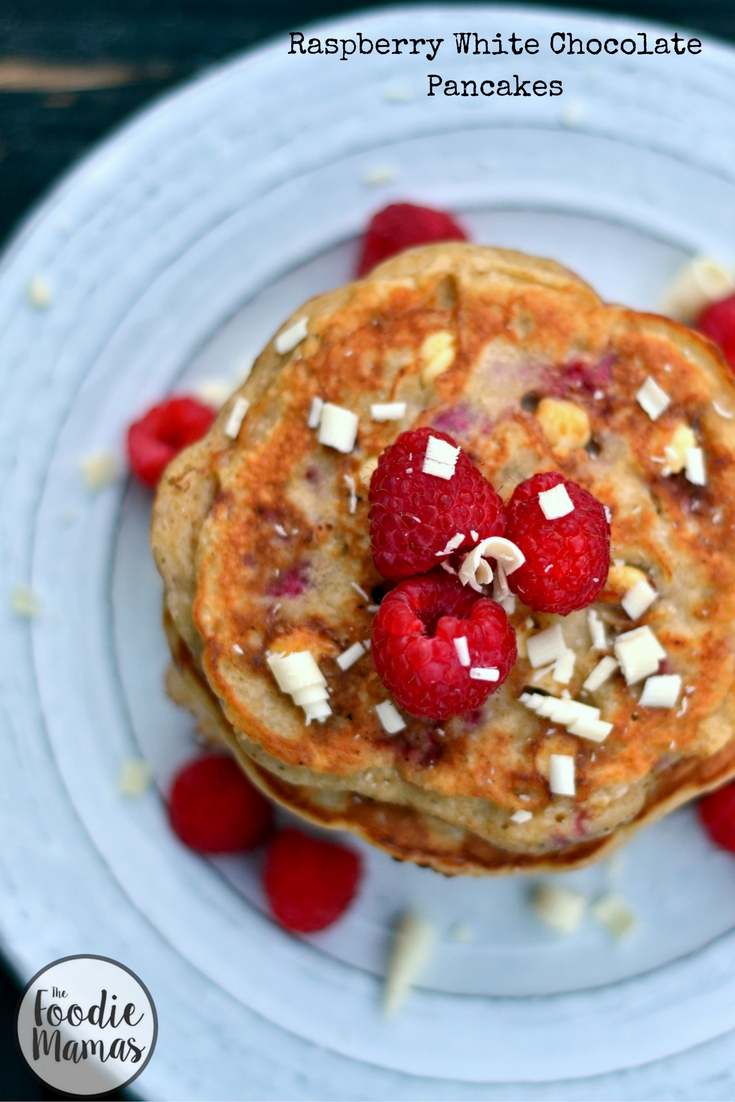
(476, 572)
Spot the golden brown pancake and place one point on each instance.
(261, 554)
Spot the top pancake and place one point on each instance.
(524, 328)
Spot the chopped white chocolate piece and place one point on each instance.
(596, 630)
(695, 472)
(546, 646)
(287, 339)
(350, 483)
(388, 411)
(661, 691)
(639, 653)
(134, 778)
(521, 816)
(412, 944)
(295, 671)
(561, 775)
(452, 544)
(391, 719)
(215, 392)
(564, 424)
(315, 412)
(39, 293)
(559, 907)
(25, 602)
(236, 416)
(699, 282)
(604, 669)
(652, 399)
(675, 451)
(556, 502)
(338, 428)
(98, 469)
(638, 599)
(564, 667)
(348, 657)
(596, 730)
(280, 531)
(614, 914)
(462, 649)
(485, 673)
(436, 355)
(440, 459)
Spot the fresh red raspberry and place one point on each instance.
(718, 323)
(717, 812)
(568, 559)
(414, 515)
(213, 807)
(401, 226)
(309, 882)
(162, 433)
(413, 645)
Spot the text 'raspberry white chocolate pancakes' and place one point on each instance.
(612, 714)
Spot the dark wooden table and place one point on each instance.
(71, 71)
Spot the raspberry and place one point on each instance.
(309, 882)
(413, 645)
(214, 808)
(401, 226)
(162, 433)
(718, 323)
(414, 515)
(568, 559)
(717, 812)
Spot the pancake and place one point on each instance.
(522, 363)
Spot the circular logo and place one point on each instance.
(86, 1025)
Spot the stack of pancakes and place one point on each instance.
(263, 549)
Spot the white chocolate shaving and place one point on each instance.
(556, 502)
(338, 428)
(236, 416)
(462, 649)
(391, 719)
(652, 399)
(348, 657)
(388, 411)
(638, 599)
(485, 673)
(661, 691)
(561, 775)
(412, 944)
(440, 459)
(546, 646)
(315, 412)
(287, 339)
(604, 669)
(452, 544)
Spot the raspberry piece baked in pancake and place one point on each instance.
(264, 546)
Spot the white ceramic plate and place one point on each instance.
(173, 253)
